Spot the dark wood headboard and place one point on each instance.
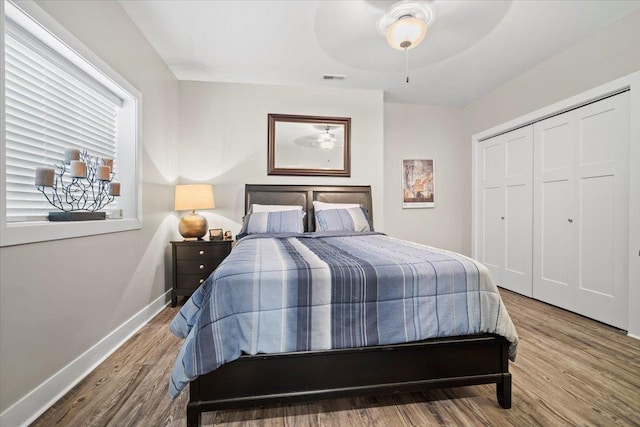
(305, 195)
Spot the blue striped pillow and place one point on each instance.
(273, 222)
(350, 219)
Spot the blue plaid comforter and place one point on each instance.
(280, 293)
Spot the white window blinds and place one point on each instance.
(50, 105)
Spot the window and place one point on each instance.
(50, 105)
(55, 99)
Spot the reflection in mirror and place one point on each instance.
(305, 145)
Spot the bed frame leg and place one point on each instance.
(194, 417)
(503, 390)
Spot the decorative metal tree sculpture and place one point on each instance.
(80, 183)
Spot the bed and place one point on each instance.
(330, 367)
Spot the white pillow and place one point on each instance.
(274, 208)
(321, 206)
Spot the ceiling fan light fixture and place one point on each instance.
(406, 33)
(327, 140)
(327, 145)
(405, 23)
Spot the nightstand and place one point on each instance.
(193, 262)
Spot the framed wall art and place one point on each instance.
(418, 184)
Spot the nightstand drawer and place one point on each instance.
(193, 262)
(201, 251)
(202, 266)
(190, 281)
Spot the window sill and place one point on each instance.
(35, 232)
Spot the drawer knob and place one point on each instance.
(201, 280)
(201, 252)
(201, 267)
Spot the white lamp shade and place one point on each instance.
(190, 197)
(407, 29)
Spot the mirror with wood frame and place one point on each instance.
(309, 145)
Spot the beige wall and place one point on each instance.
(223, 139)
(59, 298)
(425, 132)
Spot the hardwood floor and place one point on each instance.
(569, 371)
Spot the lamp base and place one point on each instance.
(193, 225)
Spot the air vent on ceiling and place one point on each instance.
(334, 77)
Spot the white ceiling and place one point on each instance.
(472, 47)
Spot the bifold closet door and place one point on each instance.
(581, 210)
(505, 208)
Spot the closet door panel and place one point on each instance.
(602, 175)
(553, 203)
(517, 252)
(554, 244)
(518, 151)
(596, 236)
(517, 211)
(596, 122)
(555, 144)
(556, 231)
(492, 154)
(491, 170)
(492, 235)
(504, 210)
(581, 210)
(518, 229)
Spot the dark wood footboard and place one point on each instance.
(304, 376)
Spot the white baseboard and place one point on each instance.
(38, 400)
(633, 336)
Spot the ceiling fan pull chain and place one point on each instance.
(406, 52)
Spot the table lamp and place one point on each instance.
(190, 197)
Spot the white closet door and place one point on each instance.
(505, 208)
(491, 206)
(518, 219)
(603, 210)
(581, 210)
(554, 205)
